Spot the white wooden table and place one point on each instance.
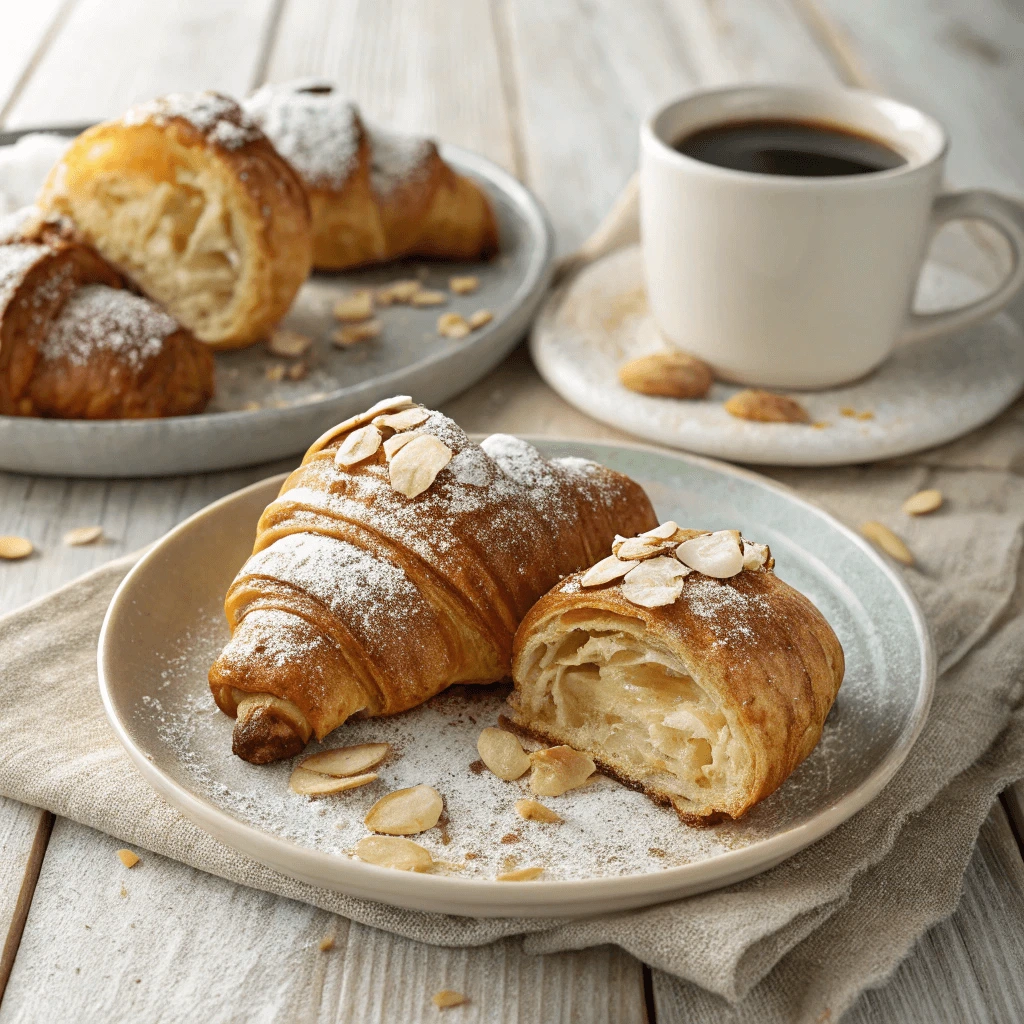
(552, 90)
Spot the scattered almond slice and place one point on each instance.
(848, 411)
(556, 770)
(326, 944)
(414, 467)
(654, 582)
(342, 761)
(481, 318)
(393, 852)
(464, 285)
(354, 307)
(533, 810)
(867, 414)
(756, 556)
(358, 446)
(81, 535)
(405, 420)
(288, 344)
(882, 537)
(398, 291)
(395, 404)
(521, 875)
(251, 406)
(426, 297)
(405, 812)
(608, 569)
(307, 783)
(715, 554)
(667, 375)
(393, 444)
(503, 754)
(274, 373)
(354, 334)
(766, 407)
(639, 548)
(13, 548)
(128, 858)
(297, 371)
(448, 997)
(665, 531)
(452, 325)
(923, 502)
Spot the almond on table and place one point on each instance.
(405, 812)
(358, 305)
(503, 754)
(307, 783)
(923, 502)
(766, 407)
(667, 374)
(81, 535)
(882, 537)
(343, 761)
(393, 852)
(12, 548)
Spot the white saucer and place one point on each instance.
(927, 393)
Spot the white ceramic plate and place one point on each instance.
(925, 394)
(616, 849)
(409, 357)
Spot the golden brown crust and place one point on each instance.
(759, 648)
(360, 600)
(203, 215)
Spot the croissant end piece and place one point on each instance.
(268, 729)
(707, 702)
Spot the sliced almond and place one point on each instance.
(13, 548)
(356, 306)
(414, 467)
(288, 344)
(393, 444)
(354, 334)
(426, 297)
(405, 420)
(448, 997)
(307, 783)
(274, 373)
(393, 852)
(665, 531)
(882, 537)
(358, 446)
(715, 554)
(655, 582)
(405, 811)
(533, 810)
(452, 325)
(756, 556)
(521, 875)
(83, 535)
(481, 318)
(556, 770)
(503, 754)
(464, 285)
(395, 404)
(342, 761)
(608, 569)
(766, 407)
(128, 858)
(297, 371)
(639, 548)
(848, 411)
(668, 375)
(923, 502)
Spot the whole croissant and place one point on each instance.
(375, 195)
(361, 599)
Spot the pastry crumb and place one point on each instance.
(326, 943)
(128, 858)
(447, 998)
(353, 334)
(274, 373)
(297, 371)
(354, 307)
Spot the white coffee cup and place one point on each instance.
(802, 282)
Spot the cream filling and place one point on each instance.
(636, 705)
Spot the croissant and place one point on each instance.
(397, 560)
(684, 667)
(375, 196)
(74, 344)
(187, 197)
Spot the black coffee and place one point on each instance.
(802, 149)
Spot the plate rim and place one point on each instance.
(521, 308)
(534, 898)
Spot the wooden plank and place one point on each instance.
(24, 33)
(165, 942)
(422, 66)
(966, 970)
(110, 54)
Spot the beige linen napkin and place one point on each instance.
(789, 945)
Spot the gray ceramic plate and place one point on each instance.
(409, 358)
(615, 848)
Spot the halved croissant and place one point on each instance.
(359, 599)
(707, 702)
(375, 195)
(189, 199)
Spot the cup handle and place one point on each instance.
(1004, 215)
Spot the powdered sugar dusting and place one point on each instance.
(99, 318)
(218, 117)
(396, 159)
(311, 126)
(16, 260)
